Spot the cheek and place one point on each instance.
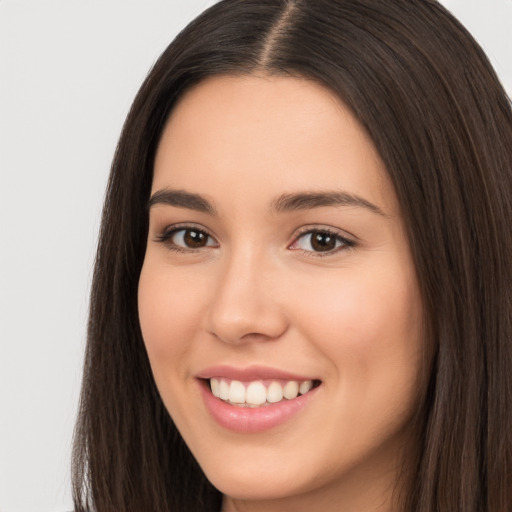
(169, 308)
(360, 309)
(370, 333)
(369, 329)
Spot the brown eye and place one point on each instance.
(194, 239)
(188, 238)
(321, 241)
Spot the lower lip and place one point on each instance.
(252, 420)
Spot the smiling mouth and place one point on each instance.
(258, 393)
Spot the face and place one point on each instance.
(278, 301)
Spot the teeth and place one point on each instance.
(215, 385)
(236, 392)
(256, 393)
(223, 390)
(305, 387)
(291, 390)
(274, 392)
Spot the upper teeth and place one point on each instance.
(256, 393)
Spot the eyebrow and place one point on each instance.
(309, 200)
(284, 203)
(182, 199)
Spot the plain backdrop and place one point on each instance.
(69, 70)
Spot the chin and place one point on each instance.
(254, 484)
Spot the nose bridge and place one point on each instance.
(243, 305)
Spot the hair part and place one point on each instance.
(278, 30)
(441, 122)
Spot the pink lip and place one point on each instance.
(245, 419)
(249, 374)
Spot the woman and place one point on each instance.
(302, 294)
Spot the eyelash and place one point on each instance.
(167, 235)
(346, 243)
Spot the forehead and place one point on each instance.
(263, 133)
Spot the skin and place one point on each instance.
(258, 293)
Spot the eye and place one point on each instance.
(187, 238)
(321, 241)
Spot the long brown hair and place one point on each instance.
(432, 104)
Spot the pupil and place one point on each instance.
(194, 239)
(323, 242)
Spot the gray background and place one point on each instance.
(68, 72)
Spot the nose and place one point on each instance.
(244, 306)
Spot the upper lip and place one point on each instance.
(249, 373)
